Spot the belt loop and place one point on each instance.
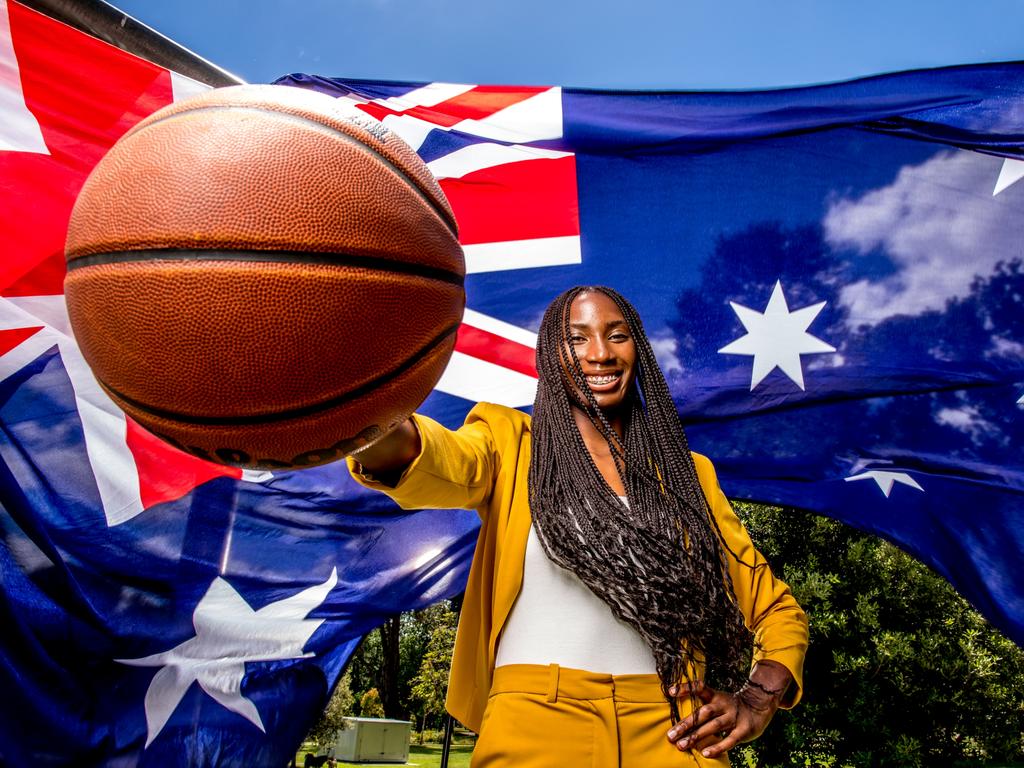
(552, 683)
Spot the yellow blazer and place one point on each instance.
(484, 466)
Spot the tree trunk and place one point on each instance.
(389, 634)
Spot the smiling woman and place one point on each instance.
(614, 597)
(601, 347)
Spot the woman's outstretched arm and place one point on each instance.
(423, 465)
(389, 457)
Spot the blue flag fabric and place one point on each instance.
(832, 278)
(206, 631)
(156, 610)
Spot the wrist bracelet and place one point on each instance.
(764, 689)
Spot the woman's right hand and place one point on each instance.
(387, 458)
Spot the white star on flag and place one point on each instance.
(777, 338)
(886, 480)
(1021, 401)
(1010, 173)
(228, 634)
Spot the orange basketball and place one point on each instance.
(264, 277)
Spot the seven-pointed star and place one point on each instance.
(1011, 171)
(777, 338)
(228, 634)
(886, 480)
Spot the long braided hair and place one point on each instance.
(658, 564)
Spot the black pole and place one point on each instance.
(446, 747)
(104, 21)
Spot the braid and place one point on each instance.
(659, 564)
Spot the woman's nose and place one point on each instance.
(598, 351)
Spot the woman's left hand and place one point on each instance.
(724, 719)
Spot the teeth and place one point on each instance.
(599, 380)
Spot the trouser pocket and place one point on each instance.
(528, 731)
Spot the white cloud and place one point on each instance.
(938, 236)
(666, 349)
(968, 419)
(820, 362)
(1006, 348)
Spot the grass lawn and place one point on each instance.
(422, 756)
(429, 756)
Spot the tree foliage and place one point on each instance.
(901, 670)
(431, 682)
(370, 704)
(331, 720)
(415, 629)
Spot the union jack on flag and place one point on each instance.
(832, 278)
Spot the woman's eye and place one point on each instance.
(620, 337)
(577, 339)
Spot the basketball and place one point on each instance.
(264, 277)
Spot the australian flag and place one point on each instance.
(832, 277)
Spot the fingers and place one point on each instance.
(731, 740)
(684, 726)
(721, 705)
(699, 746)
(728, 715)
(714, 727)
(708, 733)
(703, 692)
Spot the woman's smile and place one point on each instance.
(603, 382)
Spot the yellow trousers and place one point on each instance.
(555, 717)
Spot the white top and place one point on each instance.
(556, 619)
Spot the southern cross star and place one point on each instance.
(228, 634)
(886, 479)
(777, 338)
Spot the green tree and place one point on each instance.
(332, 718)
(370, 704)
(367, 665)
(900, 672)
(363, 667)
(388, 682)
(431, 681)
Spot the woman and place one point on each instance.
(614, 597)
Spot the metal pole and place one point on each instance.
(104, 21)
(446, 747)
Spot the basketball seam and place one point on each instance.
(285, 257)
(295, 413)
(442, 214)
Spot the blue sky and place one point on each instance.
(657, 44)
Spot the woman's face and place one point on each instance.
(604, 346)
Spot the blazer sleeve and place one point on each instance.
(769, 608)
(454, 469)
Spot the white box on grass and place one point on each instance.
(373, 740)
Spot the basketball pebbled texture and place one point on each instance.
(264, 277)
